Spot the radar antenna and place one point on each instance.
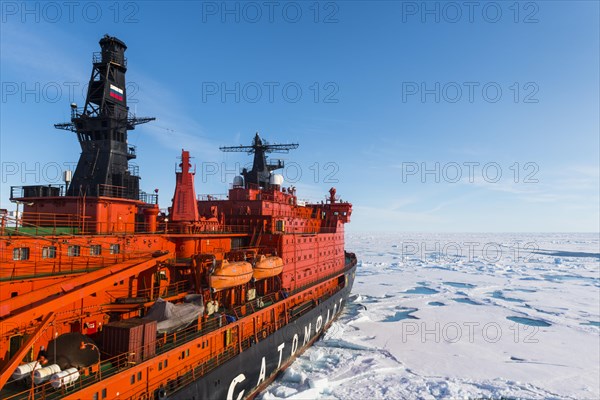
(261, 170)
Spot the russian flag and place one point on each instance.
(116, 93)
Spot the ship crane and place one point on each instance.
(261, 170)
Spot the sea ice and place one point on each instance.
(511, 315)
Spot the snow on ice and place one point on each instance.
(460, 316)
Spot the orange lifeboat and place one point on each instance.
(228, 275)
(267, 267)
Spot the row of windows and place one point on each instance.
(22, 253)
(163, 363)
(139, 377)
(95, 396)
(308, 272)
(321, 253)
(318, 239)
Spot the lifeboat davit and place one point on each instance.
(267, 267)
(227, 275)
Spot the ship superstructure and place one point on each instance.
(103, 295)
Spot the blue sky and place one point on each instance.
(389, 91)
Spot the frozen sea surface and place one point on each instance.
(460, 316)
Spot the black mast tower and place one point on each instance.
(261, 170)
(103, 168)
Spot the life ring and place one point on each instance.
(264, 334)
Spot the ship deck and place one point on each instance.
(119, 364)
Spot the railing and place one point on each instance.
(108, 367)
(150, 294)
(176, 380)
(210, 197)
(277, 164)
(111, 190)
(114, 365)
(33, 224)
(24, 192)
(148, 198)
(208, 228)
(170, 341)
(71, 265)
(121, 191)
(134, 169)
(45, 224)
(112, 57)
(256, 304)
(20, 192)
(53, 224)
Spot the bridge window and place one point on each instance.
(115, 248)
(279, 226)
(49, 252)
(95, 250)
(73, 251)
(21, 253)
(104, 393)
